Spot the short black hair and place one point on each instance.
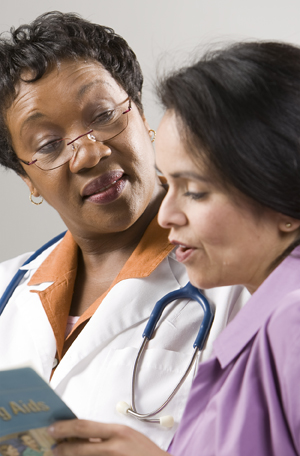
(49, 39)
(239, 107)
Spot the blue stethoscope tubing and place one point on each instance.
(187, 292)
(20, 273)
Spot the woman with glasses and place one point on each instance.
(230, 150)
(72, 127)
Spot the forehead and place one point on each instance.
(178, 158)
(64, 87)
(171, 148)
(70, 72)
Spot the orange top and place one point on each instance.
(60, 267)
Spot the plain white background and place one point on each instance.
(163, 34)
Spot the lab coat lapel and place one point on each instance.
(35, 342)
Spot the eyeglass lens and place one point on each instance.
(106, 126)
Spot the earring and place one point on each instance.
(34, 202)
(288, 225)
(152, 135)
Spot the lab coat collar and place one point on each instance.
(258, 309)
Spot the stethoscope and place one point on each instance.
(187, 292)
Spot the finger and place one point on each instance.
(113, 447)
(79, 448)
(83, 429)
(116, 440)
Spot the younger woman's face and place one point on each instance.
(222, 237)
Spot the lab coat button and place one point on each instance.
(55, 363)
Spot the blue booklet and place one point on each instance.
(28, 405)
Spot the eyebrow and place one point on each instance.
(88, 86)
(189, 174)
(30, 119)
(185, 175)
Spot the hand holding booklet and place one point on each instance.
(28, 405)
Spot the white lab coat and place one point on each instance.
(96, 371)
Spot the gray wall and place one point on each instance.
(163, 33)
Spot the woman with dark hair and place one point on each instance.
(229, 146)
(72, 126)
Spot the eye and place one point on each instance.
(51, 147)
(196, 196)
(105, 118)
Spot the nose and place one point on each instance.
(170, 213)
(87, 152)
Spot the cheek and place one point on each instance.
(218, 226)
(137, 156)
(52, 185)
(138, 141)
(209, 226)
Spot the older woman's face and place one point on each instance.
(104, 187)
(222, 240)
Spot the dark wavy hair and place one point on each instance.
(238, 109)
(49, 39)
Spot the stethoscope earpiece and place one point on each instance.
(166, 421)
(122, 407)
(125, 409)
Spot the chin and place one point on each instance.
(201, 281)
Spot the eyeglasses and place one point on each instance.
(105, 127)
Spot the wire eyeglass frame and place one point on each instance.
(93, 135)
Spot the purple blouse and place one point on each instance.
(245, 400)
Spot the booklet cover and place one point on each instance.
(28, 405)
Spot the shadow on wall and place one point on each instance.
(24, 226)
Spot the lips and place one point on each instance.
(106, 188)
(183, 252)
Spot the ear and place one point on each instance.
(30, 185)
(288, 224)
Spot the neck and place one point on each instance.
(101, 259)
(279, 253)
